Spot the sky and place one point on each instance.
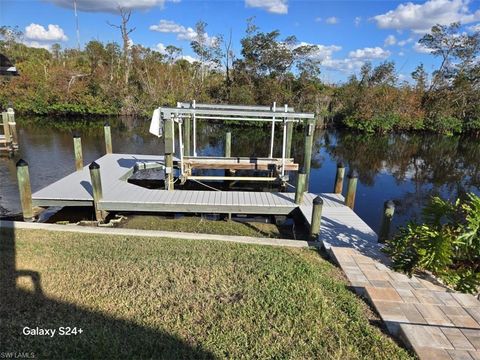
(346, 33)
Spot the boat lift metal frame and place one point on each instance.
(196, 112)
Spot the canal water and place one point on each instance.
(406, 168)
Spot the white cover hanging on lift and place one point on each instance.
(156, 126)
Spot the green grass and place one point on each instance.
(195, 224)
(165, 298)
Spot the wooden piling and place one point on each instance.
(97, 190)
(307, 155)
(316, 218)
(388, 212)
(108, 138)
(228, 144)
(288, 151)
(168, 142)
(351, 189)
(338, 187)
(6, 132)
(300, 188)
(13, 127)
(187, 135)
(25, 190)
(77, 149)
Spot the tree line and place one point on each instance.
(110, 79)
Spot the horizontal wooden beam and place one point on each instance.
(240, 166)
(61, 202)
(231, 178)
(195, 208)
(238, 163)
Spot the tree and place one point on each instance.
(125, 15)
(420, 76)
(207, 49)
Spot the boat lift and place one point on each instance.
(185, 117)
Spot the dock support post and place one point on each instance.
(338, 187)
(351, 189)
(77, 149)
(300, 189)
(108, 138)
(186, 138)
(168, 141)
(288, 150)
(23, 178)
(13, 127)
(316, 218)
(96, 181)
(228, 144)
(6, 131)
(307, 157)
(388, 211)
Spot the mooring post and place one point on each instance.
(96, 181)
(228, 144)
(25, 190)
(6, 131)
(307, 157)
(316, 218)
(186, 137)
(108, 138)
(288, 151)
(338, 187)
(300, 188)
(13, 127)
(388, 211)
(77, 149)
(168, 141)
(351, 189)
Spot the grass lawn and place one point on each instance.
(164, 298)
(196, 224)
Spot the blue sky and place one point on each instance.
(347, 33)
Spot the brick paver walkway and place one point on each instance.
(431, 320)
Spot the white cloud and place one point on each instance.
(111, 5)
(401, 53)
(162, 49)
(474, 28)
(332, 20)
(420, 18)
(419, 48)
(405, 42)
(390, 40)
(39, 33)
(357, 21)
(38, 45)
(183, 33)
(272, 6)
(369, 53)
(346, 65)
(188, 58)
(318, 19)
(322, 52)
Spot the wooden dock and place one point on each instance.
(339, 223)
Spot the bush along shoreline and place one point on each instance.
(446, 243)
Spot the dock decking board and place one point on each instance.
(339, 223)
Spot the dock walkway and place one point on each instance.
(339, 223)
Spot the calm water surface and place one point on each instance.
(407, 168)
